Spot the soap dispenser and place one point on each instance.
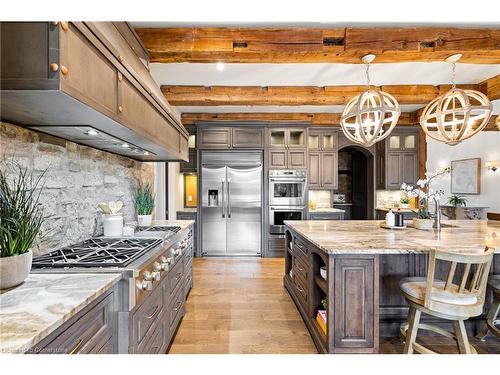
(390, 219)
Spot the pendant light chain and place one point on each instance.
(368, 74)
(453, 72)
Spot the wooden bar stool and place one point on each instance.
(446, 299)
(492, 322)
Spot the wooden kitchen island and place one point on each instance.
(364, 266)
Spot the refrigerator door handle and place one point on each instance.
(223, 198)
(228, 199)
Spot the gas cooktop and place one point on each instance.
(98, 252)
(159, 228)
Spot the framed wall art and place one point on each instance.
(466, 176)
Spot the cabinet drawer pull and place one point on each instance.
(76, 347)
(155, 312)
(300, 289)
(120, 108)
(178, 306)
(64, 70)
(299, 267)
(54, 67)
(64, 25)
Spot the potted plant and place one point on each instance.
(144, 203)
(457, 201)
(424, 219)
(405, 197)
(21, 218)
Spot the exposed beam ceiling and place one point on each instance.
(296, 95)
(315, 45)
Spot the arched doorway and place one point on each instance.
(355, 180)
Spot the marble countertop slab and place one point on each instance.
(181, 223)
(33, 310)
(326, 210)
(367, 237)
(396, 209)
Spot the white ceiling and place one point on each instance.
(205, 74)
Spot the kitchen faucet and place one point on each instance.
(437, 214)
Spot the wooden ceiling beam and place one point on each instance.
(315, 45)
(315, 119)
(293, 95)
(491, 87)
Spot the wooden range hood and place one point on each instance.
(85, 82)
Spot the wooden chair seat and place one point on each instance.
(415, 287)
(457, 299)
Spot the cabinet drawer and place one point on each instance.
(87, 333)
(157, 341)
(301, 288)
(175, 276)
(145, 322)
(300, 268)
(176, 309)
(188, 284)
(300, 249)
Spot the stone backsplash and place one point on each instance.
(77, 179)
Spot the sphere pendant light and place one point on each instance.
(370, 116)
(456, 115)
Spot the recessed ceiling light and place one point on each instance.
(145, 153)
(125, 145)
(220, 66)
(92, 132)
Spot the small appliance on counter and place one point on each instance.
(339, 198)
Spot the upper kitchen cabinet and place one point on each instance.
(323, 162)
(190, 166)
(287, 137)
(85, 82)
(287, 148)
(322, 140)
(230, 137)
(397, 159)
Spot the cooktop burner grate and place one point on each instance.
(97, 252)
(159, 228)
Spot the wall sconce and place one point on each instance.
(492, 165)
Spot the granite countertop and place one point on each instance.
(326, 210)
(181, 223)
(396, 209)
(36, 308)
(367, 237)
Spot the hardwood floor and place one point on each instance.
(239, 305)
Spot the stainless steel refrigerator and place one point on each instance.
(231, 203)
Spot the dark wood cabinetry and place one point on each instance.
(351, 290)
(323, 159)
(230, 137)
(84, 75)
(325, 216)
(396, 159)
(287, 148)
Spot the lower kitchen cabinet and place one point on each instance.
(325, 216)
(350, 292)
(347, 209)
(94, 330)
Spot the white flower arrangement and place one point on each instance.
(424, 191)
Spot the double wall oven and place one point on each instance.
(287, 198)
